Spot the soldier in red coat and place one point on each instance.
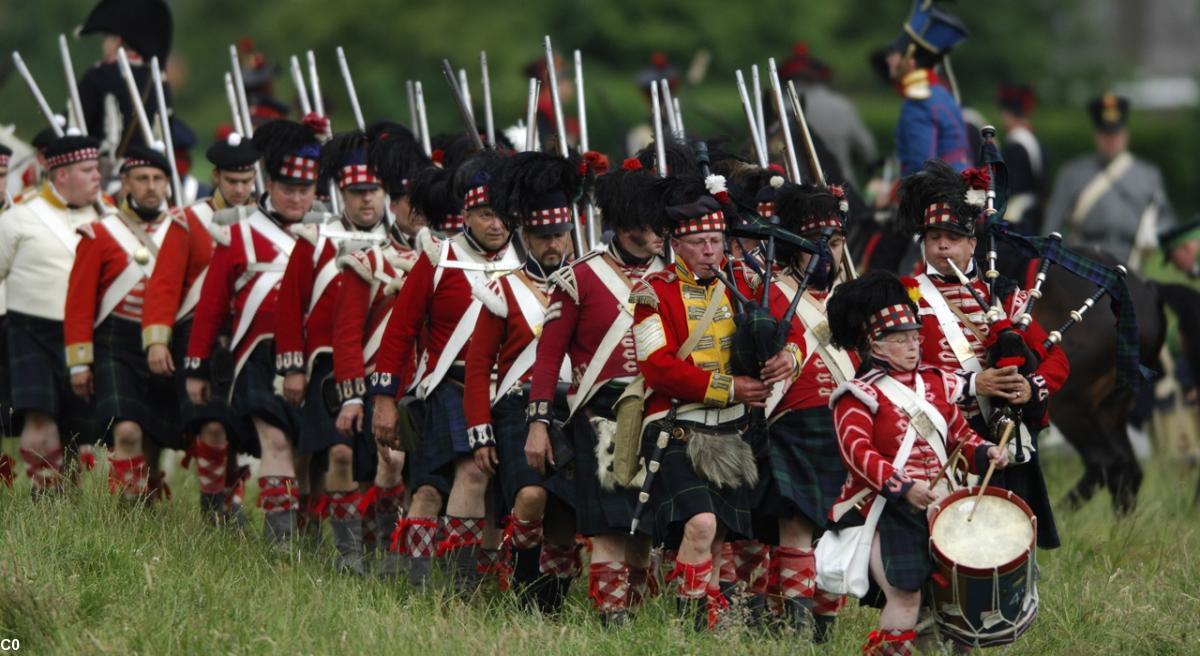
(876, 316)
(242, 286)
(171, 297)
(944, 208)
(535, 190)
(803, 471)
(371, 278)
(436, 301)
(304, 325)
(589, 321)
(102, 325)
(698, 407)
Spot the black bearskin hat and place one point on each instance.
(938, 197)
(878, 301)
(537, 190)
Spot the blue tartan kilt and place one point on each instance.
(38, 378)
(5, 388)
(193, 417)
(598, 511)
(514, 473)
(678, 493)
(254, 396)
(801, 474)
(443, 440)
(318, 430)
(127, 391)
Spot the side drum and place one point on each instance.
(984, 588)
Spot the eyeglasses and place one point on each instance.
(906, 337)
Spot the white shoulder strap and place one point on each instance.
(65, 235)
(922, 416)
(950, 325)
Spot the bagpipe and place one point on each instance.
(1006, 344)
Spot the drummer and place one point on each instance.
(876, 315)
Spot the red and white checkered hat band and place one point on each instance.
(549, 217)
(453, 222)
(938, 213)
(476, 197)
(299, 168)
(892, 317)
(766, 209)
(73, 157)
(813, 224)
(714, 222)
(356, 174)
(133, 163)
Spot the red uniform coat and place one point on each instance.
(502, 333)
(229, 285)
(582, 308)
(815, 385)
(936, 351)
(182, 262)
(99, 260)
(371, 278)
(870, 429)
(433, 301)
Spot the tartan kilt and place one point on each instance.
(802, 472)
(38, 378)
(125, 388)
(192, 416)
(254, 395)
(597, 511)
(366, 451)
(318, 430)
(443, 440)
(678, 493)
(514, 473)
(904, 547)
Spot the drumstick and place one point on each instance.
(1008, 429)
(949, 461)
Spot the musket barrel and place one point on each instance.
(535, 88)
(135, 97)
(465, 89)
(301, 89)
(37, 93)
(344, 66)
(669, 108)
(755, 139)
(165, 125)
(486, 80)
(785, 130)
(560, 125)
(759, 114)
(580, 103)
(463, 111)
(806, 140)
(72, 86)
(231, 97)
(411, 93)
(660, 148)
(314, 84)
(422, 118)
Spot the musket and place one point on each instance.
(759, 115)
(135, 97)
(789, 147)
(589, 208)
(485, 79)
(759, 151)
(231, 97)
(660, 148)
(560, 126)
(301, 89)
(679, 118)
(465, 89)
(314, 83)
(72, 87)
(164, 124)
(411, 92)
(239, 88)
(669, 108)
(535, 89)
(818, 172)
(350, 90)
(37, 93)
(422, 118)
(464, 112)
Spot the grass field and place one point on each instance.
(85, 575)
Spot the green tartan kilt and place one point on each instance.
(38, 378)
(802, 471)
(598, 511)
(127, 391)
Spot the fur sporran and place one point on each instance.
(723, 459)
